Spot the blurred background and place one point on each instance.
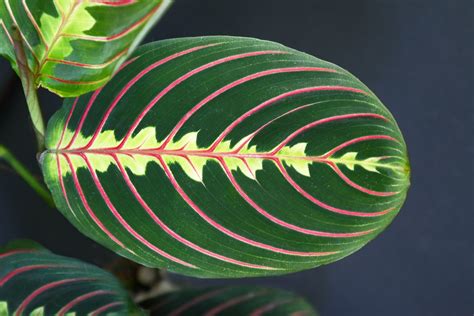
(417, 56)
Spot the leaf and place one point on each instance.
(74, 46)
(34, 281)
(240, 300)
(228, 157)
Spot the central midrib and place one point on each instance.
(222, 155)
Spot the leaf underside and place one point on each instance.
(75, 46)
(34, 281)
(228, 157)
(242, 300)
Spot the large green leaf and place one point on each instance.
(238, 301)
(228, 157)
(74, 46)
(34, 281)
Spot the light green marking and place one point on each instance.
(137, 151)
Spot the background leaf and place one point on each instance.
(228, 157)
(73, 46)
(34, 281)
(242, 300)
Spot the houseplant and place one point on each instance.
(280, 93)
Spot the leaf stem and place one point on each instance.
(26, 175)
(29, 88)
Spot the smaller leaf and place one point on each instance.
(241, 300)
(73, 47)
(34, 281)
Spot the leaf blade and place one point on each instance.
(38, 282)
(237, 157)
(63, 38)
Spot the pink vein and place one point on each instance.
(175, 235)
(82, 298)
(16, 252)
(187, 76)
(322, 204)
(232, 302)
(105, 307)
(35, 25)
(44, 289)
(224, 230)
(6, 32)
(278, 221)
(73, 107)
(195, 301)
(89, 66)
(130, 84)
(234, 84)
(116, 3)
(357, 140)
(125, 224)
(88, 208)
(88, 107)
(121, 34)
(355, 185)
(21, 270)
(324, 121)
(12, 16)
(269, 307)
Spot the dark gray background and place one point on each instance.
(418, 57)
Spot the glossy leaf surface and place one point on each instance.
(34, 281)
(74, 46)
(228, 157)
(243, 300)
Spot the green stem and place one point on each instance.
(29, 88)
(26, 175)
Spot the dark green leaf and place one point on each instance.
(228, 157)
(34, 281)
(229, 301)
(75, 46)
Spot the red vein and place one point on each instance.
(221, 228)
(175, 235)
(116, 3)
(355, 185)
(119, 35)
(89, 66)
(195, 301)
(105, 308)
(35, 24)
(234, 84)
(358, 140)
(125, 224)
(16, 252)
(130, 84)
(6, 32)
(269, 307)
(278, 221)
(74, 82)
(82, 298)
(57, 35)
(231, 127)
(21, 270)
(322, 204)
(68, 119)
(88, 107)
(83, 117)
(88, 208)
(232, 302)
(44, 289)
(324, 121)
(12, 16)
(184, 78)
